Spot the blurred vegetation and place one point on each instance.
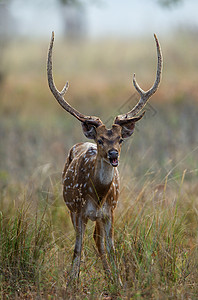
(34, 128)
(169, 3)
(156, 220)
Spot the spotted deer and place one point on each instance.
(90, 176)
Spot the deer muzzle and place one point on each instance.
(113, 157)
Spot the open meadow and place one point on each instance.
(156, 220)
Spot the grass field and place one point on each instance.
(156, 219)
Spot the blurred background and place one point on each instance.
(98, 46)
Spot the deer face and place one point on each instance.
(109, 141)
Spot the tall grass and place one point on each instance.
(155, 235)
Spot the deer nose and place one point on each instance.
(113, 154)
(113, 157)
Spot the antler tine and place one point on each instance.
(65, 89)
(59, 96)
(144, 95)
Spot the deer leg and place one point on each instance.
(79, 224)
(109, 236)
(73, 218)
(99, 238)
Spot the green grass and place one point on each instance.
(155, 236)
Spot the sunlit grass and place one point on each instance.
(155, 236)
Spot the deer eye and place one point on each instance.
(120, 141)
(100, 142)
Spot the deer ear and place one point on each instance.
(128, 126)
(89, 130)
(127, 129)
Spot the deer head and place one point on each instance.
(108, 140)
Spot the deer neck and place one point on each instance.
(103, 175)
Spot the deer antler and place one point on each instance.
(59, 96)
(144, 96)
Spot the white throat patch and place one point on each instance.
(106, 172)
